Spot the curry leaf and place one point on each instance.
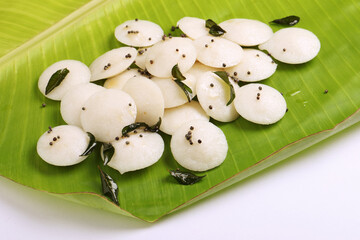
(175, 72)
(109, 187)
(91, 145)
(107, 152)
(56, 79)
(187, 90)
(214, 29)
(288, 21)
(223, 75)
(185, 178)
(129, 128)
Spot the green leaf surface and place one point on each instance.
(35, 34)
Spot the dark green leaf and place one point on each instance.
(214, 29)
(287, 21)
(209, 23)
(154, 128)
(175, 72)
(185, 178)
(91, 146)
(185, 88)
(108, 152)
(223, 75)
(133, 126)
(109, 187)
(56, 79)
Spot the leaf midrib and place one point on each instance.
(60, 25)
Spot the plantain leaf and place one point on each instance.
(49, 31)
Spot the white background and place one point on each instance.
(313, 195)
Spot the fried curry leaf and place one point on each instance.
(223, 75)
(109, 187)
(91, 145)
(133, 126)
(56, 79)
(175, 72)
(209, 23)
(154, 128)
(185, 178)
(187, 90)
(287, 21)
(107, 152)
(214, 29)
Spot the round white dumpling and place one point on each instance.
(254, 66)
(193, 27)
(259, 103)
(63, 145)
(106, 113)
(140, 59)
(148, 99)
(112, 63)
(246, 32)
(172, 93)
(199, 145)
(213, 95)
(78, 73)
(120, 80)
(217, 52)
(164, 55)
(73, 102)
(138, 33)
(292, 45)
(175, 117)
(138, 151)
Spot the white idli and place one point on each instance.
(137, 151)
(78, 73)
(138, 33)
(164, 55)
(217, 52)
(255, 66)
(292, 45)
(246, 32)
(112, 63)
(213, 95)
(193, 27)
(63, 145)
(106, 113)
(148, 99)
(259, 103)
(199, 145)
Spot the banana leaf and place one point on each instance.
(35, 34)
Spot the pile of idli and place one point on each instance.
(143, 85)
